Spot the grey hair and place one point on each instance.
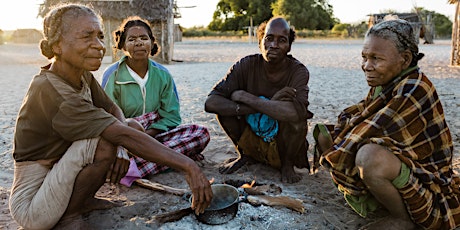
(401, 33)
(54, 24)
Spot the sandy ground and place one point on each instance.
(335, 82)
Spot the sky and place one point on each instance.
(20, 14)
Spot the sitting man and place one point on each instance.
(262, 104)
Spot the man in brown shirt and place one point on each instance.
(262, 104)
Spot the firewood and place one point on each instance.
(160, 187)
(288, 202)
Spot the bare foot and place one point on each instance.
(233, 164)
(99, 204)
(72, 222)
(288, 175)
(390, 223)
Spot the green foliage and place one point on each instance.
(236, 14)
(442, 24)
(204, 32)
(306, 14)
(302, 14)
(340, 27)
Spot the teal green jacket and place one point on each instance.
(160, 93)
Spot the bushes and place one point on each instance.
(204, 32)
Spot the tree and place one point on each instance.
(306, 14)
(455, 54)
(302, 14)
(236, 14)
(442, 24)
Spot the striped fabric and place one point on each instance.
(407, 118)
(189, 140)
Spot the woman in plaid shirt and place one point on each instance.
(394, 149)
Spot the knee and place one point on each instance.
(105, 152)
(368, 160)
(376, 162)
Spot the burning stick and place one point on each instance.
(248, 185)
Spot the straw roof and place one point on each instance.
(152, 10)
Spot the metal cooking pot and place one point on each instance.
(224, 205)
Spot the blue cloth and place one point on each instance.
(263, 125)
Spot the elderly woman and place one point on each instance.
(68, 130)
(394, 149)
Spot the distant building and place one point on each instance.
(422, 29)
(26, 36)
(160, 14)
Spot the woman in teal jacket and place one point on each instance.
(145, 91)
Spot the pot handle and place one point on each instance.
(243, 195)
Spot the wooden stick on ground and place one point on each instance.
(284, 201)
(159, 187)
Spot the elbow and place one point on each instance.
(209, 106)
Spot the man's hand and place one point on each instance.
(237, 95)
(201, 189)
(285, 94)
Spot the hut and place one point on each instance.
(26, 36)
(160, 14)
(422, 29)
(455, 55)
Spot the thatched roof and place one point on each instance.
(152, 10)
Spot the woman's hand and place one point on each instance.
(201, 189)
(134, 124)
(119, 167)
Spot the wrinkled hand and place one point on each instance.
(284, 94)
(135, 124)
(201, 189)
(118, 170)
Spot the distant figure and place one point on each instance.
(394, 149)
(262, 104)
(67, 132)
(145, 91)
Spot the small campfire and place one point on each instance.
(255, 188)
(254, 193)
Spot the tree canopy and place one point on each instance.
(442, 24)
(302, 14)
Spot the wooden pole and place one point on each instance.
(454, 57)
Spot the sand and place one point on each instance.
(336, 81)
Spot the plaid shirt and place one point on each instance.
(406, 117)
